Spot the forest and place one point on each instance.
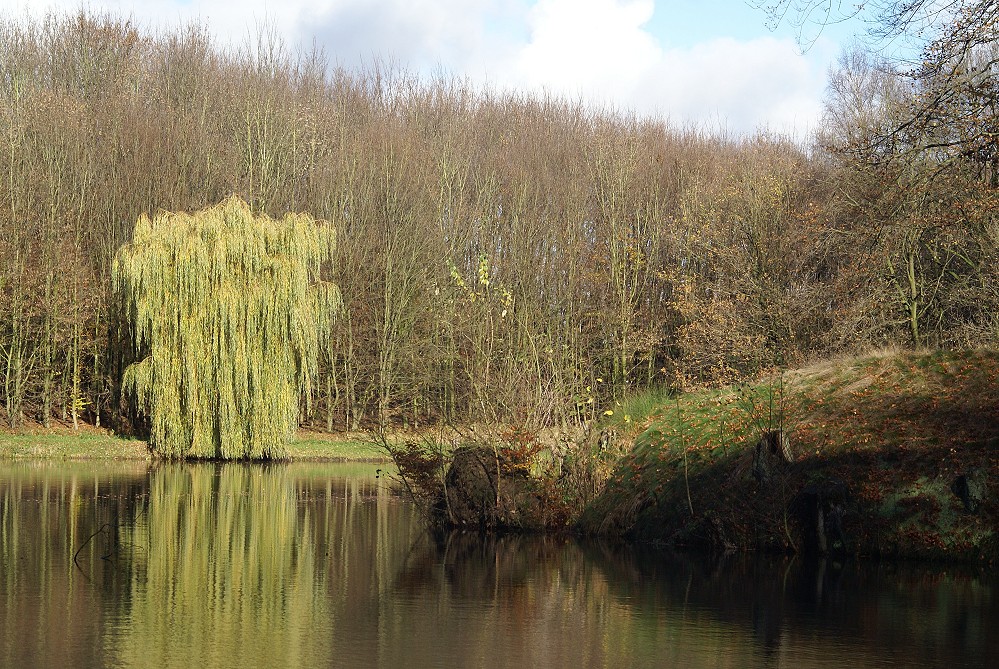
(501, 257)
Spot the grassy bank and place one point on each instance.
(345, 448)
(68, 444)
(88, 443)
(890, 454)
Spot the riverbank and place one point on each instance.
(893, 454)
(89, 443)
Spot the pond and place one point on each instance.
(320, 565)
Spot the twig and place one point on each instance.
(683, 447)
(76, 555)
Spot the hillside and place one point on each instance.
(891, 454)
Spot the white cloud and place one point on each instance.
(588, 46)
(603, 51)
(742, 85)
(461, 37)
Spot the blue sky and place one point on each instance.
(716, 65)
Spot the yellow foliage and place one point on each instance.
(228, 312)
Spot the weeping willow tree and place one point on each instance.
(226, 312)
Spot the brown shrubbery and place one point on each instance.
(500, 256)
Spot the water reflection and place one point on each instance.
(50, 613)
(795, 612)
(320, 565)
(596, 604)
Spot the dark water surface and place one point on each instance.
(318, 565)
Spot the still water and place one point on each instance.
(319, 565)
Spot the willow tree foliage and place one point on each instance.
(226, 312)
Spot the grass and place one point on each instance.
(322, 446)
(636, 409)
(61, 443)
(894, 428)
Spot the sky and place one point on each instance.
(719, 65)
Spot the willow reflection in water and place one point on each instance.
(258, 566)
(318, 565)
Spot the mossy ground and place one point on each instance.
(895, 428)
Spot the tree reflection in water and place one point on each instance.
(319, 565)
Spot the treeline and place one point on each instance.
(500, 256)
